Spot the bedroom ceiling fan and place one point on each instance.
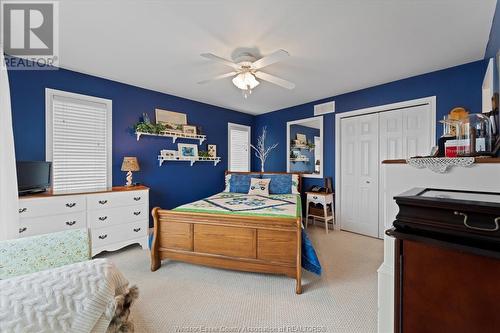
(246, 70)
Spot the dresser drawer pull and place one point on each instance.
(70, 223)
(23, 229)
(137, 213)
(103, 218)
(315, 198)
(103, 202)
(467, 225)
(137, 198)
(103, 236)
(137, 229)
(71, 204)
(23, 210)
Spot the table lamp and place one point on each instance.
(130, 164)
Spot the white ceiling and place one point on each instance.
(335, 46)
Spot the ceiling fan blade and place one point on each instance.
(226, 62)
(276, 80)
(270, 59)
(218, 77)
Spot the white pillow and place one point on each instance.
(227, 183)
(259, 186)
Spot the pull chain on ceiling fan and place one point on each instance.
(247, 70)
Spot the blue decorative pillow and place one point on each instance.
(240, 183)
(280, 184)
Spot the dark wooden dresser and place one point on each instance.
(447, 275)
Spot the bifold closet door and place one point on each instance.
(405, 133)
(359, 174)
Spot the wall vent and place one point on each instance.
(324, 108)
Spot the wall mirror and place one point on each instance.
(305, 147)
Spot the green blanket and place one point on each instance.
(277, 205)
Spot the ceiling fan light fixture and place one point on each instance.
(245, 81)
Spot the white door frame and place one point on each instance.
(376, 109)
(298, 122)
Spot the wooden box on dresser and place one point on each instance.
(115, 218)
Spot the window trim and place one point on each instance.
(49, 97)
(242, 127)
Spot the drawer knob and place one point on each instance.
(137, 213)
(103, 202)
(70, 223)
(137, 198)
(103, 236)
(103, 218)
(23, 229)
(23, 210)
(467, 225)
(315, 197)
(71, 204)
(137, 229)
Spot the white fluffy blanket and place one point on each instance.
(73, 298)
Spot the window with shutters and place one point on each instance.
(238, 147)
(78, 141)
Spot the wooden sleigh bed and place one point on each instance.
(253, 243)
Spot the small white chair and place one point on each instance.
(324, 199)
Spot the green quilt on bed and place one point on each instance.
(277, 205)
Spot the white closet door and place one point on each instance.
(360, 168)
(403, 133)
(391, 135)
(417, 126)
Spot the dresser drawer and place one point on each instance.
(51, 206)
(48, 224)
(116, 199)
(107, 217)
(118, 233)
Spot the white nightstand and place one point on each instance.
(324, 199)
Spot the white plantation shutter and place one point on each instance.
(239, 147)
(78, 141)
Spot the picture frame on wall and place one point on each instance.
(188, 129)
(187, 151)
(212, 150)
(302, 139)
(169, 153)
(170, 118)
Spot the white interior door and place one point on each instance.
(366, 141)
(403, 133)
(359, 175)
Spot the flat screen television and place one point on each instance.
(33, 176)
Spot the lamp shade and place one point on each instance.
(130, 164)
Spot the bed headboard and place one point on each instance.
(269, 173)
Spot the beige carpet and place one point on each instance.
(181, 297)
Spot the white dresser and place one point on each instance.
(115, 218)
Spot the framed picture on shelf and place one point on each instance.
(301, 138)
(173, 121)
(188, 129)
(212, 150)
(188, 151)
(169, 153)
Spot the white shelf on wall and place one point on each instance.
(162, 159)
(298, 147)
(299, 159)
(174, 136)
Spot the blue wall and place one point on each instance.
(172, 184)
(310, 133)
(456, 86)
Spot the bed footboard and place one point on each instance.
(264, 244)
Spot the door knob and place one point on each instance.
(368, 182)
